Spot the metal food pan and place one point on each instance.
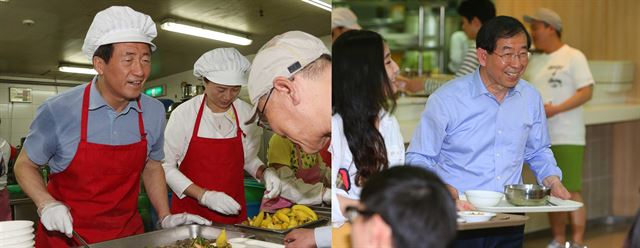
(319, 221)
(169, 236)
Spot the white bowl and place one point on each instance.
(483, 198)
(475, 216)
(15, 233)
(16, 240)
(26, 244)
(12, 225)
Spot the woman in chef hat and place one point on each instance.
(207, 143)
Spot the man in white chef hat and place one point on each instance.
(290, 87)
(209, 142)
(98, 140)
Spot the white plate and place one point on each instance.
(505, 207)
(12, 225)
(475, 216)
(26, 244)
(17, 240)
(16, 233)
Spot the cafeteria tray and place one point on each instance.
(169, 236)
(500, 220)
(319, 221)
(557, 205)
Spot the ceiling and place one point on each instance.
(60, 26)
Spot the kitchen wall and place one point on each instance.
(16, 117)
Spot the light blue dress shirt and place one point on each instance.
(54, 134)
(474, 142)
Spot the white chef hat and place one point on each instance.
(284, 55)
(118, 24)
(223, 66)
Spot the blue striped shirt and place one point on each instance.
(474, 142)
(54, 134)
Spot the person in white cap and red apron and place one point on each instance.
(208, 146)
(99, 139)
(290, 87)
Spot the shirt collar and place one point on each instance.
(96, 101)
(478, 88)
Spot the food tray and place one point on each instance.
(505, 207)
(500, 220)
(169, 236)
(319, 221)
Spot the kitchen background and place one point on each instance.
(604, 30)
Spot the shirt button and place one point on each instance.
(498, 177)
(497, 154)
(499, 131)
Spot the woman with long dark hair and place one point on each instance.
(366, 138)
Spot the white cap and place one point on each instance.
(547, 16)
(283, 55)
(343, 17)
(222, 66)
(118, 24)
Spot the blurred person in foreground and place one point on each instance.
(99, 139)
(290, 88)
(561, 74)
(503, 117)
(403, 206)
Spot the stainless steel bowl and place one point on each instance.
(527, 194)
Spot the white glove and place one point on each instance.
(175, 220)
(55, 216)
(326, 196)
(219, 202)
(272, 183)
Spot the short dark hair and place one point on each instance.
(106, 51)
(500, 27)
(416, 205)
(483, 9)
(633, 238)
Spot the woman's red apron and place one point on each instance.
(100, 186)
(213, 164)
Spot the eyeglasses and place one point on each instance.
(509, 58)
(352, 212)
(261, 117)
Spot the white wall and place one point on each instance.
(16, 117)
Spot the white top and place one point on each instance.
(457, 51)
(342, 159)
(212, 125)
(5, 152)
(558, 76)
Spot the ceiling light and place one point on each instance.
(205, 32)
(320, 4)
(76, 69)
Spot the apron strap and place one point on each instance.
(199, 117)
(85, 116)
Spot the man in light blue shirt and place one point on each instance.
(477, 130)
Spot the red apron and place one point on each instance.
(311, 175)
(100, 186)
(213, 164)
